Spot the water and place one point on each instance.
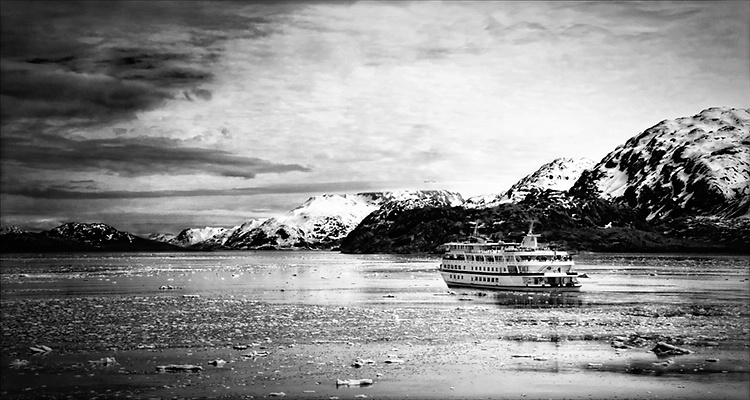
(330, 278)
(457, 344)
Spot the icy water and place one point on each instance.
(306, 316)
(330, 278)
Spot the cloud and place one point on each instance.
(131, 157)
(75, 191)
(38, 91)
(105, 61)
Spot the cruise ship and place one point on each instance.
(525, 266)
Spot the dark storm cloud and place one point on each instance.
(165, 69)
(102, 61)
(139, 156)
(67, 65)
(41, 91)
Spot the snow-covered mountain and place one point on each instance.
(191, 236)
(11, 230)
(323, 221)
(161, 237)
(394, 202)
(559, 174)
(695, 165)
(96, 234)
(76, 236)
(320, 222)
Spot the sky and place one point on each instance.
(159, 116)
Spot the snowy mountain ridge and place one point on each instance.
(691, 165)
(94, 234)
(191, 236)
(11, 230)
(559, 174)
(320, 222)
(74, 237)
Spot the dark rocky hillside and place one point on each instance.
(573, 223)
(77, 237)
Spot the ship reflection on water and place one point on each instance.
(513, 299)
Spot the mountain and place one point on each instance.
(377, 231)
(559, 174)
(679, 186)
(161, 237)
(323, 221)
(191, 236)
(319, 223)
(582, 224)
(11, 230)
(690, 166)
(563, 220)
(76, 236)
(94, 235)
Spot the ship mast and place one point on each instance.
(529, 241)
(475, 236)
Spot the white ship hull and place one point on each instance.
(514, 283)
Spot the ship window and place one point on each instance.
(490, 259)
(512, 269)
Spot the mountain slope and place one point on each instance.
(568, 222)
(76, 236)
(319, 222)
(191, 236)
(323, 221)
(559, 174)
(695, 165)
(681, 185)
